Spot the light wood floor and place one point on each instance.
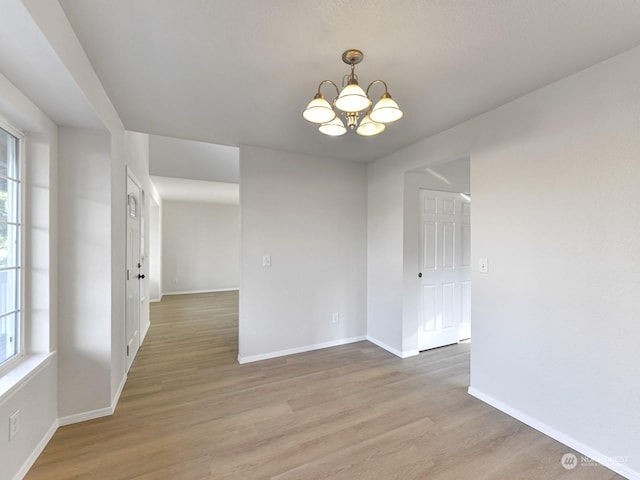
(190, 411)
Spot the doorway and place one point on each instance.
(436, 255)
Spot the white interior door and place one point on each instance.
(445, 261)
(134, 274)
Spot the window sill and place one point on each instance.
(20, 374)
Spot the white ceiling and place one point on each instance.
(26, 56)
(197, 191)
(175, 157)
(241, 72)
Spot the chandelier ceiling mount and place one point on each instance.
(352, 57)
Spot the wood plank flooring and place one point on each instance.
(189, 411)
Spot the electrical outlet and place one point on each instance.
(14, 424)
(335, 318)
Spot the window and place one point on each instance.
(10, 257)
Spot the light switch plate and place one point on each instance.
(266, 260)
(483, 265)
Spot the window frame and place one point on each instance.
(19, 356)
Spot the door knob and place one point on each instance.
(420, 275)
(141, 276)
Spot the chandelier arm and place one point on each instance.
(386, 89)
(330, 82)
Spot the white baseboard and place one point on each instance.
(410, 353)
(202, 291)
(612, 463)
(84, 416)
(116, 397)
(397, 353)
(144, 332)
(26, 466)
(292, 351)
(93, 414)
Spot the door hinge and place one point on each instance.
(127, 350)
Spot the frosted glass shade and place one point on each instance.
(369, 128)
(334, 128)
(386, 110)
(319, 110)
(353, 99)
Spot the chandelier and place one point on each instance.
(352, 103)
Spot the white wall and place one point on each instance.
(155, 251)
(84, 282)
(554, 182)
(200, 247)
(309, 215)
(384, 255)
(36, 403)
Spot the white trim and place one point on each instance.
(143, 334)
(235, 289)
(84, 416)
(29, 366)
(567, 440)
(397, 353)
(293, 351)
(410, 353)
(8, 126)
(31, 459)
(116, 397)
(155, 300)
(23, 265)
(93, 414)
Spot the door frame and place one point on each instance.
(129, 175)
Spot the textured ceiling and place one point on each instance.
(241, 72)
